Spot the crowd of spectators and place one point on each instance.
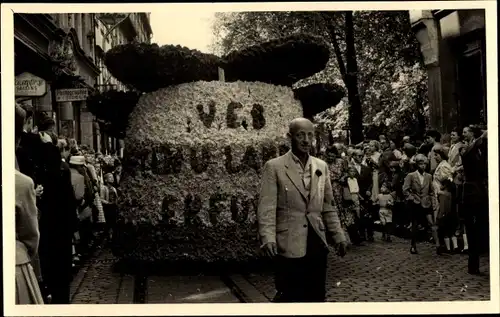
(66, 202)
(434, 190)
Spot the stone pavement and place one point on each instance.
(96, 283)
(188, 289)
(375, 272)
(382, 271)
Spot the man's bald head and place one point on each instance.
(298, 124)
(301, 134)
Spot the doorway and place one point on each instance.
(471, 72)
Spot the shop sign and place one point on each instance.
(29, 85)
(76, 94)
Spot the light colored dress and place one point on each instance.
(375, 177)
(27, 240)
(443, 172)
(337, 170)
(454, 157)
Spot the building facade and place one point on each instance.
(80, 123)
(116, 30)
(34, 70)
(453, 46)
(58, 63)
(112, 30)
(57, 51)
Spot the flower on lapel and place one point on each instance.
(318, 173)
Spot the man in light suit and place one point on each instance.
(297, 218)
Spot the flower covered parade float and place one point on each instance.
(198, 138)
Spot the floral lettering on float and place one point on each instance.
(200, 164)
(167, 159)
(207, 118)
(241, 208)
(213, 209)
(166, 211)
(192, 206)
(250, 160)
(231, 116)
(258, 120)
(230, 167)
(257, 113)
(268, 152)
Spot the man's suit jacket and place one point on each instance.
(365, 180)
(420, 194)
(286, 210)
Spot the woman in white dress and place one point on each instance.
(455, 160)
(373, 161)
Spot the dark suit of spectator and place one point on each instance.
(57, 225)
(364, 177)
(475, 198)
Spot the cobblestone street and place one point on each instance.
(374, 272)
(96, 283)
(383, 271)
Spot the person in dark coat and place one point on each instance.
(387, 156)
(57, 224)
(64, 225)
(364, 177)
(475, 193)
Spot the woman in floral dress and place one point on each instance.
(337, 166)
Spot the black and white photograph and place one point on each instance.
(218, 154)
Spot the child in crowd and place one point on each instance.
(353, 186)
(385, 201)
(109, 198)
(418, 190)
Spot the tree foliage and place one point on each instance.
(391, 80)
